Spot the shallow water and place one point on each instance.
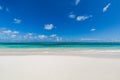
(82, 45)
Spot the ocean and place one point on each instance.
(86, 45)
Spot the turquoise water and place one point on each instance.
(95, 45)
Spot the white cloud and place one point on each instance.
(13, 36)
(106, 7)
(82, 18)
(1, 8)
(25, 37)
(53, 35)
(6, 31)
(9, 34)
(15, 32)
(72, 16)
(42, 37)
(6, 34)
(28, 35)
(77, 2)
(93, 29)
(48, 26)
(58, 39)
(17, 21)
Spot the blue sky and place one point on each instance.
(59, 20)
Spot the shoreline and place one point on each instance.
(59, 64)
(101, 53)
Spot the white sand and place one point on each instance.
(84, 65)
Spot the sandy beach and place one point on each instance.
(59, 64)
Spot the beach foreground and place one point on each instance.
(59, 64)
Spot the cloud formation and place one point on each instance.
(93, 29)
(83, 18)
(17, 21)
(53, 35)
(28, 36)
(7, 31)
(72, 16)
(13, 35)
(42, 37)
(106, 7)
(77, 2)
(48, 26)
(7, 34)
(58, 39)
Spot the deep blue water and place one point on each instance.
(97, 45)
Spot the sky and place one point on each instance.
(59, 20)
